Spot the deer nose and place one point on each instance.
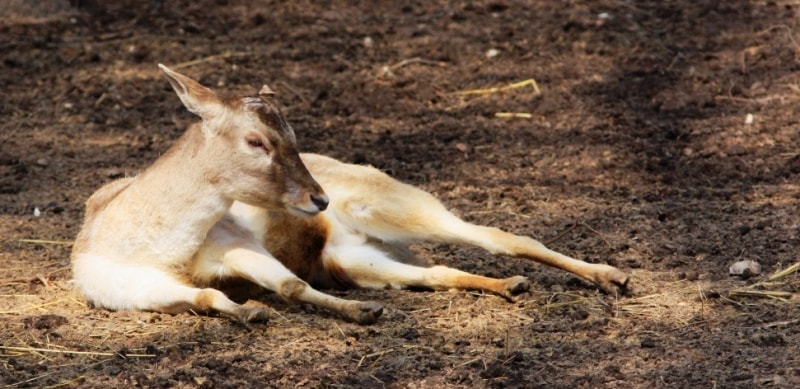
(321, 201)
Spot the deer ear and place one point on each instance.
(198, 99)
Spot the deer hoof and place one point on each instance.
(515, 286)
(613, 281)
(518, 284)
(369, 312)
(252, 315)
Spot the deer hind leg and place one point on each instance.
(496, 241)
(118, 286)
(368, 267)
(417, 215)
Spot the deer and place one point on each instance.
(136, 247)
(284, 234)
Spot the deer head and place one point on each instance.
(253, 148)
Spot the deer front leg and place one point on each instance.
(224, 256)
(266, 271)
(184, 299)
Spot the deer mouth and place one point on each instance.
(303, 212)
(315, 204)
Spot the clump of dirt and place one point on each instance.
(661, 138)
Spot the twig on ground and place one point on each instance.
(468, 362)
(340, 330)
(66, 383)
(781, 27)
(387, 70)
(597, 233)
(20, 383)
(521, 115)
(760, 293)
(785, 272)
(769, 99)
(34, 350)
(417, 60)
(378, 354)
(781, 323)
(44, 241)
(521, 84)
(561, 235)
(225, 55)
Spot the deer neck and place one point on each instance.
(180, 194)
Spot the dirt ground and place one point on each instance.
(662, 138)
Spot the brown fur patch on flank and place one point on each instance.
(297, 243)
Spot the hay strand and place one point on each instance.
(419, 60)
(225, 55)
(760, 293)
(486, 91)
(785, 272)
(45, 241)
(35, 350)
(513, 115)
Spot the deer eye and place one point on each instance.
(255, 143)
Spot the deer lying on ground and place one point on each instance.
(233, 202)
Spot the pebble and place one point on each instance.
(747, 268)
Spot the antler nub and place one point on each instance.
(266, 91)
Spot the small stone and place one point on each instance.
(745, 269)
(491, 53)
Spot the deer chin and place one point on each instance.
(302, 211)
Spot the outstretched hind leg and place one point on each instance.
(405, 213)
(368, 267)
